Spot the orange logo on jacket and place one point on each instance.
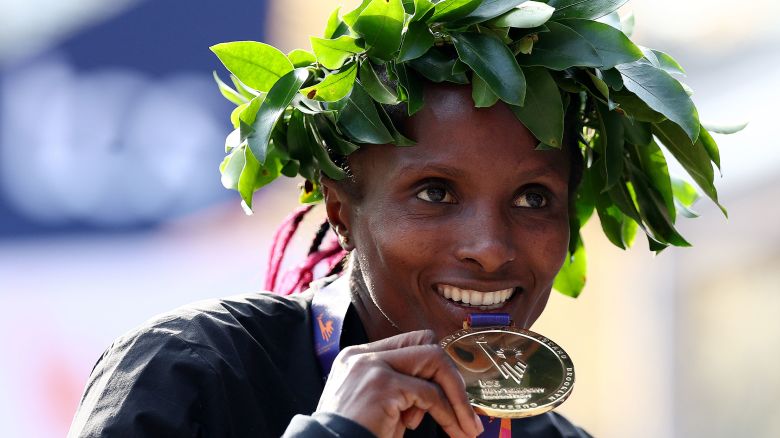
(326, 329)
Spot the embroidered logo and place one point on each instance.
(326, 328)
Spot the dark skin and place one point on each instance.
(472, 206)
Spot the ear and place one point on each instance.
(338, 206)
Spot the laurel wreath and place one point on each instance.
(536, 57)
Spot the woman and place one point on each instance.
(475, 218)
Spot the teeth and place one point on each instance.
(473, 297)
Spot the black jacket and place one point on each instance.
(237, 367)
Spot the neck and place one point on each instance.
(375, 322)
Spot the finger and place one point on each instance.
(428, 397)
(419, 337)
(399, 431)
(412, 417)
(430, 362)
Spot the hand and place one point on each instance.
(387, 386)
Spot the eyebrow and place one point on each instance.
(433, 168)
(457, 173)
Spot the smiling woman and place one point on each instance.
(502, 107)
(473, 209)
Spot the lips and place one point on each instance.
(474, 298)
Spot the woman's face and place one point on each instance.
(471, 219)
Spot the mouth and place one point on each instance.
(477, 300)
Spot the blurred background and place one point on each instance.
(111, 211)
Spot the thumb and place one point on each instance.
(419, 337)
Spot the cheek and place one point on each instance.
(546, 246)
(398, 243)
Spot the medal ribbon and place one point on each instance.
(493, 427)
(328, 310)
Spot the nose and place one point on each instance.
(486, 242)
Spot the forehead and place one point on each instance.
(454, 136)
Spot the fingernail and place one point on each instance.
(480, 427)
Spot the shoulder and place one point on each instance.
(174, 366)
(214, 325)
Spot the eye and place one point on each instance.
(436, 194)
(530, 200)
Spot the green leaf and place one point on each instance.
(291, 168)
(436, 66)
(360, 120)
(246, 117)
(233, 140)
(422, 10)
(451, 10)
(526, 16)
(611, 220)
(638, 133)
(600, 85)
(571, 278)
(398, 138)
(231, 168)
(653, 211)
(278, 98)
(334, 139)
(635, 107)
(298, 138)
(334, 87)
(245, 90)
(332, 53)
(481, 94)
(256, 64)
(589, 9)
(494, 63)
(667, 63)
(412, 86)
(693, 157)
(685, 195)
(543, 110)
(724, 128)
(486, 10)
(317, 147)
(612, 78)
(662, 61)
(417, 40)
(380, 24)
(611, 145)
(612, 45)
(710, 146)
(662, 93)
(374, 86)
(561, 48)
(651, 160)
(336, 26)
(584, 199)
(229, 93)
(629, 231)
(243, 173)
(301, 58)
(254, 175)
(352, 16)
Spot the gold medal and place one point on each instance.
(510, 372)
